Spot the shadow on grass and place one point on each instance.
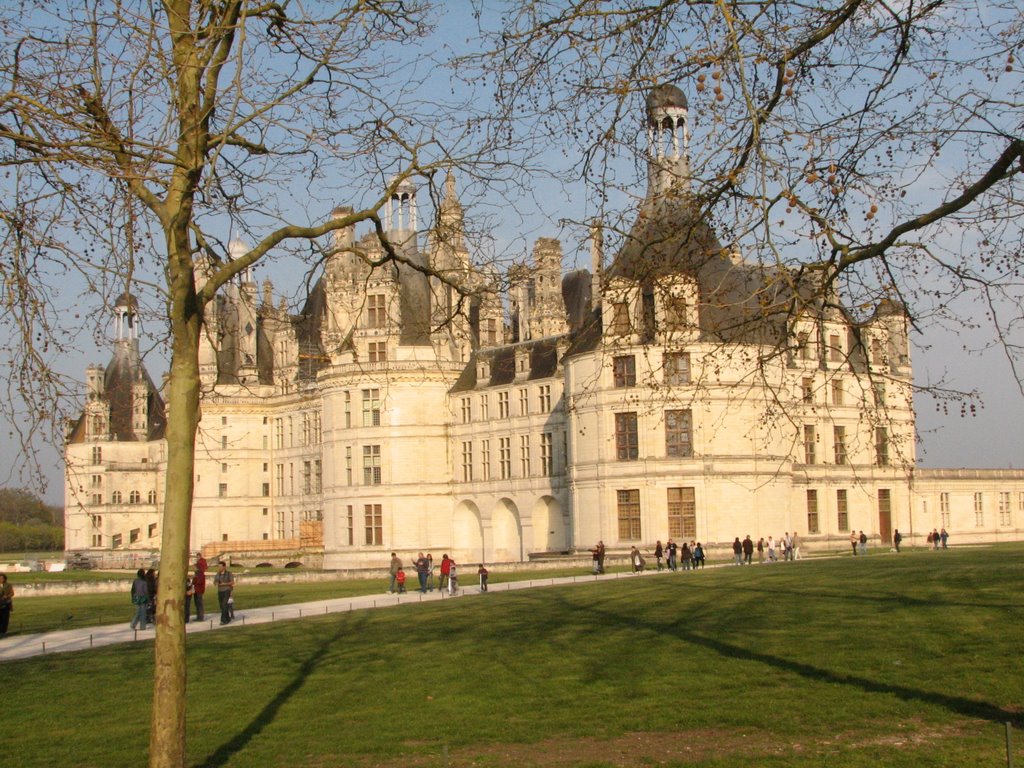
(266, 716)
(955, 704)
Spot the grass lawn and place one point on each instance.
(913, 660)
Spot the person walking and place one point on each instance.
(422, 566)
(853, 542)
(760, 550)
(393, 569)
(795, 541)
(698, 555)
(140, 599)
(483, 574)
(944, 538)
(446, 565)
(737, 551)
(659, 553)
(771, 550)
(673, 550)
(6, 604)
(748, 550)
(897, 537)
(863, 541)
(151, 585)
(199, 588)
(225, 586)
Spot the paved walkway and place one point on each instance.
(25, 646)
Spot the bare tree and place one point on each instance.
(873, 148)
(136, 136)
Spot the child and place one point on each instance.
(453, 581)
(400, 580)
(482, 573)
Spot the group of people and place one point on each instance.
(424, 566)
(689, 555)
(143, 594)
(144, 588)
(785, 548)
(937, 537)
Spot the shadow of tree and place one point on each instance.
(266, 715)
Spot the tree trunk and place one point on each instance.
(167, 735)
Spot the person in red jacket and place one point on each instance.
(446, 571)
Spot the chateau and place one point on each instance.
(676, 389)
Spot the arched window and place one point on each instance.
(115, 497)
(152, 497)
(135, 497)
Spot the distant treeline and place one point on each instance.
(27, 523)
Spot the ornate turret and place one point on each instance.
(668, 138)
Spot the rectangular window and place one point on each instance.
(805, 347)
(877, 353)
(620, 319)
(491, 331)
(373, 522)
(629, 514)
(371, 407)
(376, 313)
(547, 462)
(97, 455)
(810, 443)
(682, 513)
(133, 535)
(627, 446)
(348, 464)
(318, 476)
(505, 457)
(266, 489)
(377, 351)
(679, 433)
(624, 371)
(348, 410)
(467, 461)
(350, 515)
(152, 530)
(677, 368)
(485, 407)
(878, 388)
(485, 459)
(115, 540)
(843, 512)
(979, 510)
(944, 509)
(882, 446)
(885, 507)
(503, 405)
(524, 455)
(837, 392)
(807, 390)
(675, 312)
(279, 433)
(835, 348)
(839, 444)
(96, 481)
(1004, 507)
(812, 511)
(524, 402)
(467, 410)
(545, 398)
(307, 477)
(224, 442)
(371, 465)
(222, 490)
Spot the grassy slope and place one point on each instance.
(908, 661)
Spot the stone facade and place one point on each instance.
(680, 390)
